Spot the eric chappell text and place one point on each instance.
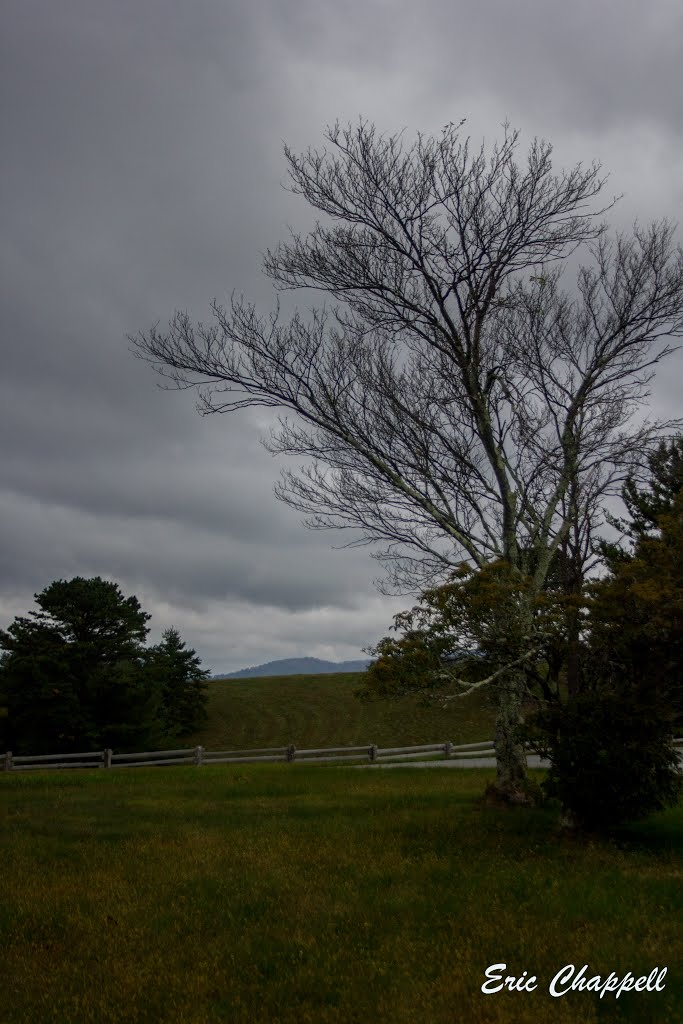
(570, 979)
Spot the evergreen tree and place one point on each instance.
(182, 684)
(73, 676)
(647, 504)
(637, 608)
(40, 692)
(610, 751)
(636, 613)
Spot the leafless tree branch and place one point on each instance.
(454, 400)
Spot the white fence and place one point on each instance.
(290, 754)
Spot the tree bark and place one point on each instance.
(511, 768)
(573, 679)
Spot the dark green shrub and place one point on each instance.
(611, 757)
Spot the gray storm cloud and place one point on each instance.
(142, 161)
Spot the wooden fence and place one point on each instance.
(198, 756)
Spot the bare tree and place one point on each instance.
(454, 402)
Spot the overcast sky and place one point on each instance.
(141, 172)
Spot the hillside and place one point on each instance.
(320, 711)
(295, 667)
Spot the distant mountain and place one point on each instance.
(296, 667)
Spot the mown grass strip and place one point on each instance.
(322, 711)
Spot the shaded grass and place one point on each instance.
(321, 711)
(298, 894)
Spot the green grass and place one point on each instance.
(281, 894)
(321, 711)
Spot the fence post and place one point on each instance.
(198, 756)
(372, 752)
(106, 757)
(447, 749)
(8, 761)
(291, 751)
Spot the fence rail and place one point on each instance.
(267, 755)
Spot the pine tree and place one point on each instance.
(637, 608)
(72, 677)
(647, 504)
(182, 684)
(610, 750)
(636, 611)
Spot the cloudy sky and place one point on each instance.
(141, 172)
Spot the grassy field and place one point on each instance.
(321, 711)
(300, 895)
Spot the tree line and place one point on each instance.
(76, 675)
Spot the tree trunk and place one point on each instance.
(573, 684)
(511, 769)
